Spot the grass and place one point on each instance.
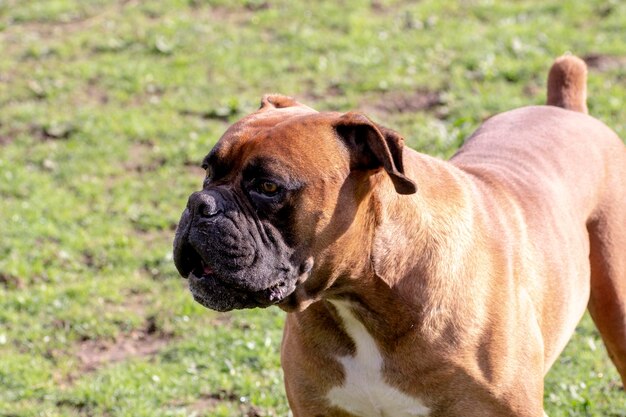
(106, 110)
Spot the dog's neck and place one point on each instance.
(436, 236)
(437, 230)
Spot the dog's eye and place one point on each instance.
(268, 188)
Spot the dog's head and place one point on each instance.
(281, 185)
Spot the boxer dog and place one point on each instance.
(415, 286)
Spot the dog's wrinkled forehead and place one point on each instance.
(275, 109)
(280, 119)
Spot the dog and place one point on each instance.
(416, 286)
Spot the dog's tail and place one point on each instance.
(567, 84)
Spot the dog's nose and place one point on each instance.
(203, 204)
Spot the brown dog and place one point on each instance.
(416, 286)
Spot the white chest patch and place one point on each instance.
(364, 392)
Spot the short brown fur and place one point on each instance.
(473, 282)
(477, 282)
(567, 84)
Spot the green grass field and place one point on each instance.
(106, 110)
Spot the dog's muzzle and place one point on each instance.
(233, 259)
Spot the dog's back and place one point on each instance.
(565, 173)
(607, 222)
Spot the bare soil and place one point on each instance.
(603, 63)
(403, 102)
(95, 353)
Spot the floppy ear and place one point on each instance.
(372, 146)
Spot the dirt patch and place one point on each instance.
(403, 102)
(146, 341)
(92, 354)
(313, 94)
(221, 113)
(141, 158)
(378, 6)
(335, 90)
(200, 406)
(239, 16)
(532, 89)
(213, 398)
(9, 281)
(138, 154)
(603, 63)
(96, 94)
(5, 139)
(207, 402)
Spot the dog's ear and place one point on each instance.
(278, 101)
(372, 146)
